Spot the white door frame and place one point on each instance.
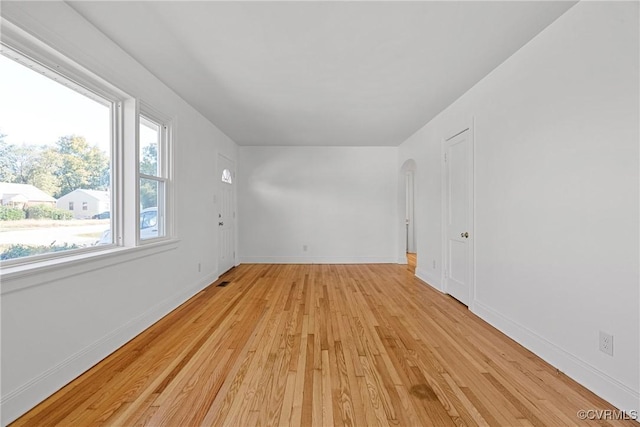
(469, 126)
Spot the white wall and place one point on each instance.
(339, 201)
(57, 324)
(556, 196)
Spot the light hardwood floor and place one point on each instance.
(412, 261)
(320, 345)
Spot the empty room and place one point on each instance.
(316, 213)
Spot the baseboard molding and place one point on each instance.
(316, 260)
(19, 401)
(610, 389)
(429, 278)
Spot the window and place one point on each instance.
(153, 174)
(55, 139)
(65, 133)
(226, 176)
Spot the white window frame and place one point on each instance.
(165, 173)
(33, 54)
(226, 176)
(124, 169)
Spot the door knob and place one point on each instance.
(221, 223)
(466, 235)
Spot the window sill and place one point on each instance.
(15, 278)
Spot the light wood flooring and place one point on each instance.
(412, 261)
(320, 345)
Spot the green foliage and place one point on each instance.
(48, 212)
(20, 250)
(16, 162)
(81, 166)
(71, 164)
(11, 214)
(7, 173)
(149, 166)
(149, 161)
(43, 173)
(148, 193)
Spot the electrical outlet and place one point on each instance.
(434, 263)
(199, 267)
(304, 248)
(606, 343)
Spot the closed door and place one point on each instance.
(226, 215)
(409, 216)
(458, 214)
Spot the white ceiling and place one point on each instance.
(320, 73)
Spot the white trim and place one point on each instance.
(38, 52)
(316, 260)
(19, 401)
(472, 207)
(164, 174)
(610, 389)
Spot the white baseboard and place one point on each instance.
(316, 260)
(429, 278)
(19, 401)
(610, 389)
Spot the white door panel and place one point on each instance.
(226, 215)
(458, 207)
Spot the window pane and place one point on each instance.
(55, 146)
(149, 143)
(226, 176)
(151, 203)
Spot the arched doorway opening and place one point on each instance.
(408, 240)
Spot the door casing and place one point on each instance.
(467, 126)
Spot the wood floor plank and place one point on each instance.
(320, 345)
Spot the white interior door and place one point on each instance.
(409, 213)
(458, 216)
(226, 215)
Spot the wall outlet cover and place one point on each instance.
(606, 343)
